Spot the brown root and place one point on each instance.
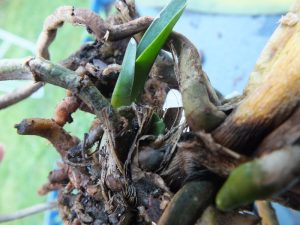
(92, 21)
(64, 109)
(48, 129)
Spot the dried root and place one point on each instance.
(93, 23)
(19, 94)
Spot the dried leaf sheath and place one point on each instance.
(288, 133)
(288, 26)
(267, 106)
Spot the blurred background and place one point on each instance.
(229, 33)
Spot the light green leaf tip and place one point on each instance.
(153, 40)
(242, 187)
(157, 126)
(122, 94)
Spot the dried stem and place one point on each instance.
(28, 212)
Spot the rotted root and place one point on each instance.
(195, 154)
(65, 108)
(48, 129)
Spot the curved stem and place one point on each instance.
(200, 112)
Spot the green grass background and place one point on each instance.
(28, 159)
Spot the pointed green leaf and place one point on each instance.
(153, 40)
(123, 90)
